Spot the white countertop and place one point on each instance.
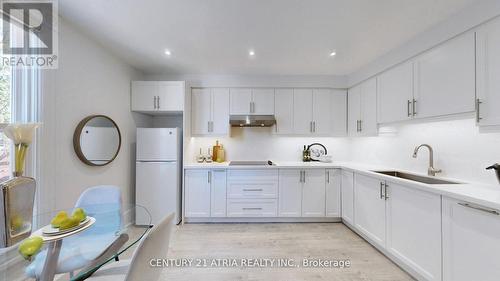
(482, 194)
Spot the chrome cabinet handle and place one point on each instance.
(414, 107)
(360, 125)
(314, 126)
(300, 176)
(478, 115)
(158, 102)
(253, 189)
(381, 187)
(479, 208)
(209, 176)
(385, 191)
(304, 176)
(408, 108)
(255, 208)
(357, 125)
(327, 176)
(208, 126)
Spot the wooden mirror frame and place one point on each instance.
(78, 132)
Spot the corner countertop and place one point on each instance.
(486, 195)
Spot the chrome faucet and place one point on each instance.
(431, 171)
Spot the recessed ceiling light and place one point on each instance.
(251, 53)
(333, 53)
(167, 52)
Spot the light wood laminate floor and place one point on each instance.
(277, 240)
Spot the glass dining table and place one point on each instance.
(108, 234)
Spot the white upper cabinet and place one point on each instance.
(471, 241)
(252, 101)
(322, 111)
(241, 101)
(395, 94)
(488, 73)
(158, 96)
(263, 101)
(339, 113)
(362, 102)
(283, 111)
(445, 78)
(302, 111)
(210, 111)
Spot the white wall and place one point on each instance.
(89, 80)
(459, 149)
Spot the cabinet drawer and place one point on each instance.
(245, 176)
(252, 208)
(253, 190)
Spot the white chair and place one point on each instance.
(94, 245)
(153, 245)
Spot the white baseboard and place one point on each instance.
(259, 220)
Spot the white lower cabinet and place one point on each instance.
(218, 194)
(333, 186)
(414, 229)
(197, 193)
(347, 197)
(205, 193)
(302, 193)
(369, 208)
(471, 242)
(290, 193)
(313, 193)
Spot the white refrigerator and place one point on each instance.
(158, 174)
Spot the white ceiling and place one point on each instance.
(290, 37)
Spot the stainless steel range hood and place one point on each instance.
(252, 120)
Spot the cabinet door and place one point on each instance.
(290, 193)
(395, 93)
(445, 78)
(368, 118)
(471, 243)
(488, 73)
(339, 113)
(354, 112)
(240, 101)
(218, 194)
(313, 193)
(283, 100)
(197, 193)
(143, 95)
(333, 185)
(220, 111)
(200, 111)
(348, 197)
(263, 101)
(414, 215)
(322, 111)
(171, 96)
(369, 208)
(302, 111)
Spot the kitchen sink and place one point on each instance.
(417, 178)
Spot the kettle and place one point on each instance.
(496, 167)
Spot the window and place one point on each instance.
(5, 118)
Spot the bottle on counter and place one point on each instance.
(221, 154)
(208, 157)
(215, 150)
(306, 156)
(200, 158)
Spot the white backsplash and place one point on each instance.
(262, 144)
(459, 149)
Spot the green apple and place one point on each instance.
(30, 246)
(59, 218)
(80, 214)
(69, 223)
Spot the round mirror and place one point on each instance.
(97, 140)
